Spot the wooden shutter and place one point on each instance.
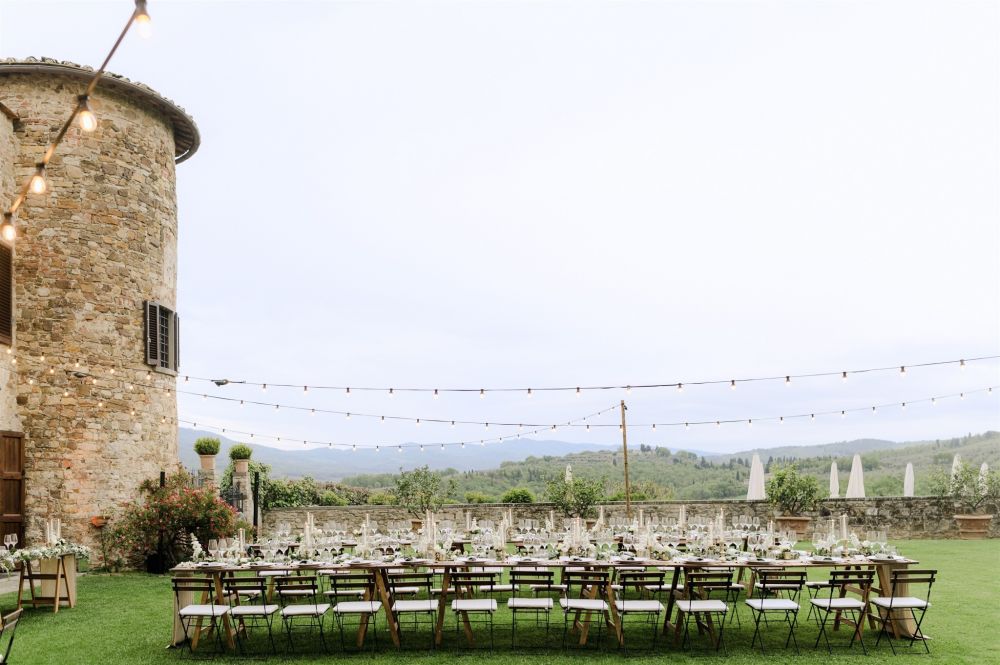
(12, 485)
(151, 314)
(6, 294)
(177, 342)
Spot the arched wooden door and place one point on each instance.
(12, 485)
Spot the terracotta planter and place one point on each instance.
(973, 527)
(242, 465)
(800, 525)
(98, 521)
(207, 462)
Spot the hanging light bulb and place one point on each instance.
(142, 21)
(354, 448)
(86, 117)
(933, 401)
(788, 380)
(305, 389)
(348, 415)
(680, 387)
(463, 444)
(750, 423)
(732, 384)
(392, 392)
(312, 412)
(442, 446)
(781, 420)
(812, 416)
(687, 425)
(347, 391)
(654, 425)
(873, 409)
(718, 423)
(435, 393)
(421, 448)
(418, 422)
(529, 392)
(7, 230)
(578, 391)
(628, 390)
(452, 423)
(38, 184)
(961, 364)
(843, 414)
(482, 393)
(902, 370)
(904, 406)
(961, 395)
(263, 387)
(843, 376)
(588, 428)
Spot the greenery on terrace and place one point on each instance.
(125, 619)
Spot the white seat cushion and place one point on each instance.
(530, 603)
(204, 610)
(254, 610)
(547, 587)
(702, 606)
(249, 593)
(295, 592)
(415, 606)
(777, 587)
(583, 604)
(357, 593)
(406, 590)
(657, 588)
(272, 573)
(644, 606)
(474, 605)
(900, 602)
(838, 603)
(818, 584)
(357, 607)
(305, 610)
(497, 588)
(773, 604)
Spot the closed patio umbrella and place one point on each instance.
(856, 483)
(755, 489)
(834, 481)
(908, 480)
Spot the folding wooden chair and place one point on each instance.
(360, 587)
(414, 584)
(7, 630)
(639, 582)
(591, 587)
(888, 608)
(466, 605)
(300, 597)
(538, 581)
(697, 604)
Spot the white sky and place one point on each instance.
(526, 194)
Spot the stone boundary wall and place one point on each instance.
(903, 518)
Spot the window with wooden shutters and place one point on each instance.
(6, 294)
(162, 329)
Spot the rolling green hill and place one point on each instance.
(658, 473)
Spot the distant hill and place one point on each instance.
(824, 450)
(326, 464)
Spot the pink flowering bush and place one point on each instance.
(154, 530)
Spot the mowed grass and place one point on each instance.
(126, 619)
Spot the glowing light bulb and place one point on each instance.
(781, 420)
(348, 416)
(392, 392)
(961, 364)
(452, 423)
(718, 423)
(749, 423)
(418, 422)
(578, 391)
(843, 414)
(687, 425)
(904, 406)
(305, 389)
(7, 230)
(354, 448)
(482, 393)
(680, 387)
(263, 387)
(873, 409)
(628, 390)
(654, 425)
(933, 401)
(788, 380)
(843, 376)
(732, 384)
(86, 117)
(529, 392)
(38, 184)
(142, 21)
(812, 416)
(435, 393)
(347, 391)
(902, 370)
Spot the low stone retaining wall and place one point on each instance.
(903, 518)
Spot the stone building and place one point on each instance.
(89, 337)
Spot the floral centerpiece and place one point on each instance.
(9, 560)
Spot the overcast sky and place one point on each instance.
(479, 194)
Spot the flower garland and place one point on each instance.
(61, 548)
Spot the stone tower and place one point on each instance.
(91, 253)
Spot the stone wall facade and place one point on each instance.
(902, 518)
(89, 251)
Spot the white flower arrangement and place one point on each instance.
(61, 548)
(197, 552)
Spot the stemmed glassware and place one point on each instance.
(10, 541)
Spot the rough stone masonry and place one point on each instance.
(89, 251)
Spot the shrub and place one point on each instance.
(790, 492)
(207, 445)
(157, 526)
(517, 495)
(477, 497)
(331, 498)
(575, 498)
(381, 499)
(240, 451)
(420, 490)
(967, 487)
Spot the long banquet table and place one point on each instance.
(902, 624)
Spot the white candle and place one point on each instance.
(843, 526)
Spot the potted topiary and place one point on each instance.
(973, 491)
(240, 454)
(792, 494)
(207, 448)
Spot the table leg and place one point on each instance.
(613, 616)
(442, 606)
(671, 595)
(220, 598)
(382, 587)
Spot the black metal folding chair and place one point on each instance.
(777, 591)
(7, 630)
(467, 608)
(639, 583)
(413, 585)
(585, 594)
(360, 588)
(697, 604)
(300, 598)
(205, 607)
(841, 582)
(248, 607)
(889, 607)
(539, 581)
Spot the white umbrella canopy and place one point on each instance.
(834, 481)
(755, 490)
(984, 472)
(956, 465)
(908, 480)
(856, 483)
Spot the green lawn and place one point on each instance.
(126, 620)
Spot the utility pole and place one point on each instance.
(628, 488)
